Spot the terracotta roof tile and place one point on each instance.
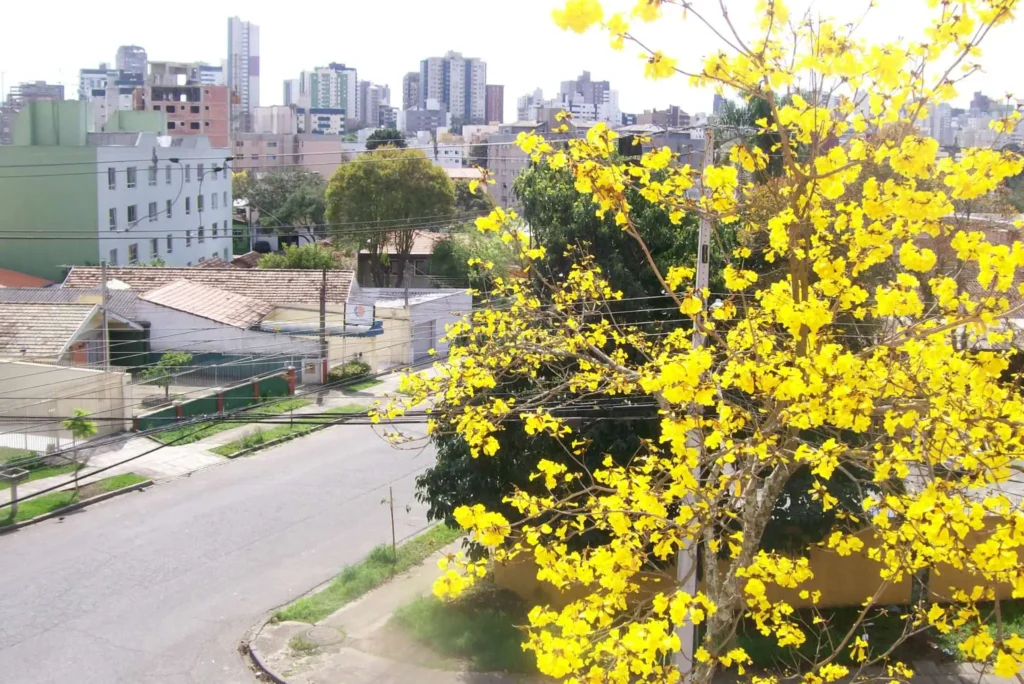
(10, 278)
(275, 286)
(120, 302)
(210, 302)
(39, 331)
(247, 260)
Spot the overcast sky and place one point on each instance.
(384, 40)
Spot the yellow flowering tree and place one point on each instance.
(877, 353)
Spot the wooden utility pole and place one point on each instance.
(323, 336)
(687, 561)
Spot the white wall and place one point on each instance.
(32, 390)
(173, 330)
(143, 231)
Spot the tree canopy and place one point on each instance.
(385, 137)
(292, 201)
(378, 205)
(873, 354)
(314, 256)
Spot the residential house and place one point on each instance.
(419, 262)
(58, 334)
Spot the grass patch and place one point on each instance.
(43, 473)
(478, 627)
(47, 503)
(15, 454)
(1012, 614)
(261, 436)
(302, 645)
(193, 433)
(374, 570)
(362, 385)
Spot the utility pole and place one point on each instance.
(103, 310)
(687, 561)
(323, 335)
(407, 277)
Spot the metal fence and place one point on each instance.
(217, 370)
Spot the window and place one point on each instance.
(132, 176)
(170, 109)
(188, 173)
(170, 125)
(256, 156)
(214, 227)
(133, 253)
(213, 200)
(188, 206)
(152, 212)
(152, 174)
(239, 143)
(188, 238)
(112, 178)
(154, 248)
(112, 214)
(167, 175)
(199, 203)
(156, 108)
(199, 171)
(113, 257)
(225, 199)
(200, 235)
(194, 109)
(167, 210)
(271, 144)
(170, 244)
(202, 259)
(194, 125)
(133, 214)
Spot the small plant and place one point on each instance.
(302, 645)
(162, 374)
(348, 371)
(80, 428)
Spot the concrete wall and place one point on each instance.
(32, 390)
(47, 198)
(173, 330)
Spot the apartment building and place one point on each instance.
(243, 72)
(148, 195)
(190, 109)
(457, 82)
(495, 104)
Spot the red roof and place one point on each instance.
(16, 279)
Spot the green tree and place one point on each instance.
(467, 202)
(478, 155)
(449, 261)
(385, 137)
(293, 201)
(80, 428)
(314, 256)
(162, 373)
(390, 193)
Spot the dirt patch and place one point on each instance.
(392, 642)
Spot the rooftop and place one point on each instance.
(274, 286)
(210, 302)
(247, 260)
(40, 331)
(423, 242)
(17, 279)
(120, 302)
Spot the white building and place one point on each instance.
(334, 86)
(177, 210)
(243, 71)
(277, 120)
(321, 121)
(457, 82)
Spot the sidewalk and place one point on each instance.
(173, 461)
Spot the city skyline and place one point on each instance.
(289, 44)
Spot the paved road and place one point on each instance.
(159, 586)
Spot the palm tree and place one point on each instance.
(80, 428)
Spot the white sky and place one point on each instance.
(384, 40)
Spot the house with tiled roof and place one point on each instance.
(69, 334)
(423, 243)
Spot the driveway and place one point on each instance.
(159, 586)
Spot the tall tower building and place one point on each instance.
(495, 104)
(411, 90)
(243, 72)
(460, 83)
(131, 58)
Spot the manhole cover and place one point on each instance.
(325, 636)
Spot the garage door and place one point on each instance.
(422, 340)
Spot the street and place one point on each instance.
(160, 586)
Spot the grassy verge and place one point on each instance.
(261, 436)
(47, 503)
(478, 627)
(374, 570)
(197, 431)
(362, 385)
(44, 472)
(1012, 614)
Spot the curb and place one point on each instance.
(75, 506)
(254, 655)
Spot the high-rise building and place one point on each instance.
(243, 72)
(131, 58)
(411, 90)
(717, 103)
(107, 91)
(371, 97)
(334, 86)
(457, 82)
(291, 91)
(527, 104)
(671, 117)
(583, 98)
(24, 93)
(495, 107)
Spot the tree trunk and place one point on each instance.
(74, 460)
(400, 261)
